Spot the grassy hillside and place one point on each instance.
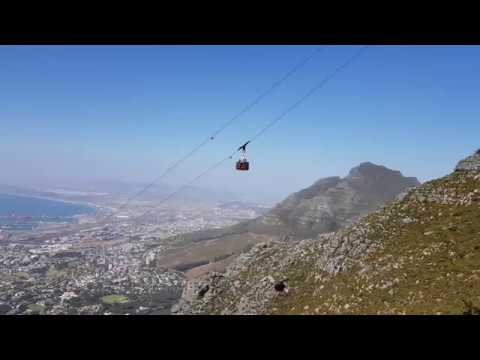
(429, 261)
(418, 255)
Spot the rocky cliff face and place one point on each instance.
(326, 206)
(333, 203)
(418, 255)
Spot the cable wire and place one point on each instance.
(322, 83)
(168, 197)
(259, 98)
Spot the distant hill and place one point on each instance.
(327, 205)
(18, 190)
(418, 255)
(117, 190)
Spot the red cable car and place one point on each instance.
(243, 164)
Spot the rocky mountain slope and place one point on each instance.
(332, 203)
(327, 205)
(418, 255)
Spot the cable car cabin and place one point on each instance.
(242, 165)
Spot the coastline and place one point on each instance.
(82, 208)
(87, 204)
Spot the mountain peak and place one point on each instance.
(367, 168)
(333, 202)
(379, 180)
(368, 164)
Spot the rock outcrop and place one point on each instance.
(471, 163)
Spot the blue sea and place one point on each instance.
(35, 207)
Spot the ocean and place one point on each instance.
(35, 207)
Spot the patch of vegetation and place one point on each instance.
(21, 275)
(36, 308)
(54, 273)
(222, 257)
(115, 299)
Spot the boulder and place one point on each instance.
(25, 261)
(203, 290)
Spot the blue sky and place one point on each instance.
(127, 112)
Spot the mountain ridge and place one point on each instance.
(420, 254)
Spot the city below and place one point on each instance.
(102, 261)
